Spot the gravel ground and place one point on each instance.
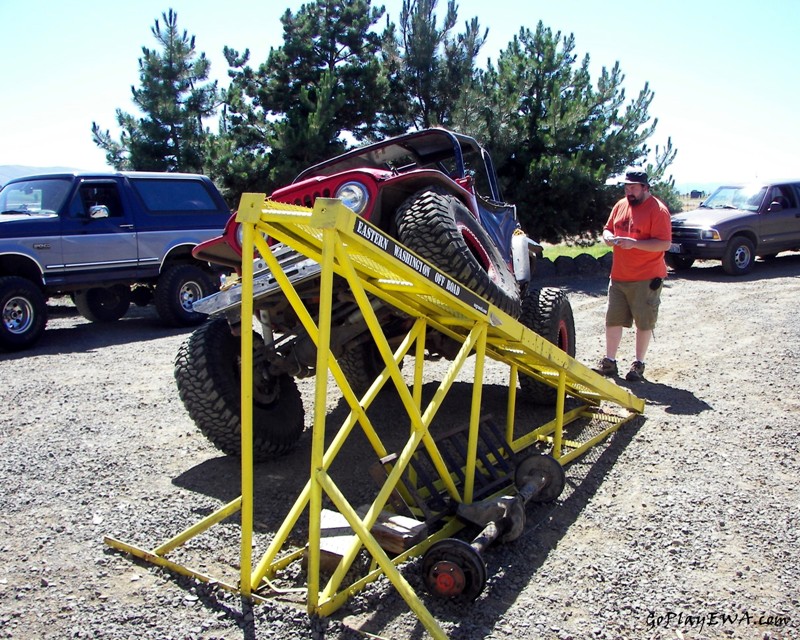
(681, 525)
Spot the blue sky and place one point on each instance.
(724, 74)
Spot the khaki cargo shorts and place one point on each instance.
(630, 302)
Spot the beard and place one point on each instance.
(634, 200)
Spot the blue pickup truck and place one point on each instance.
(106, 240)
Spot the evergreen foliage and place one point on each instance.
(340, 78)
(325, 82)
(174, 98)
(557, 137)
(435, 67)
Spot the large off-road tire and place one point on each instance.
(23, 311)
(739, 256)
(441, 229)
(547, 311)
(178, 288)
(103, 304)
(208, 374)
(361, 365)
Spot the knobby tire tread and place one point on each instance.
(208, 378)
(426, 224)
(543, 311)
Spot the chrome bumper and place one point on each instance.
(295, 265)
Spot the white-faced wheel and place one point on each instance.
(178, 288)
(24, 313)
(739, 256)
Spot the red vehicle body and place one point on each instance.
(436, 192)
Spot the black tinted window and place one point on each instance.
(174, 195)
(795, 188)
(782, 194)
(96, 195)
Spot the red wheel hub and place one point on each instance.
(446, 579)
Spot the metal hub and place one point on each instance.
(446, 579)
(17, 315)
(545, 467)
(452, 568)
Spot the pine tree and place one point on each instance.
(174, 98)
(323, 85)
(431, 67)
(556, 136)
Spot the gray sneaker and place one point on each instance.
(607, 367)
(636, 374)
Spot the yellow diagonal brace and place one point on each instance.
(313, 331)
(419, 423)
(218, 516)
(391, 572)
(475, 413)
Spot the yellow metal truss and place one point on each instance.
(375, 265)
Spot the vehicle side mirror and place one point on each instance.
(775, 205)
(98, 212)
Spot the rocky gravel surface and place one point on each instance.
(681, 525)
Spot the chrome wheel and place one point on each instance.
(17, 315)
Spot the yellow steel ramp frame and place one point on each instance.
(377, 266)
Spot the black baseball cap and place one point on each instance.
(635, 176)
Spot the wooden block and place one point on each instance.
(394, 533)
(336, 536)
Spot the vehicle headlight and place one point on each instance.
(240, 235)
(709, 234)
(353, 195)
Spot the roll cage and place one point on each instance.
(454, 154)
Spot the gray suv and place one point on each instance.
(737, 223)
(106, 240)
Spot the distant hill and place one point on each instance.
(10, 171)
(687, 187)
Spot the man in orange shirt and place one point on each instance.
(640, 231)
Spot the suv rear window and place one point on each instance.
(162, 196)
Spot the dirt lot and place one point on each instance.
(682, 525)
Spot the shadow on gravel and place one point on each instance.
(138, 325)
(511, 567)
(278, 482)
(785, 265)
(674, 400)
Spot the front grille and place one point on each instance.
(681, 233)
(307, 199)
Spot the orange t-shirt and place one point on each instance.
(650, 219)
